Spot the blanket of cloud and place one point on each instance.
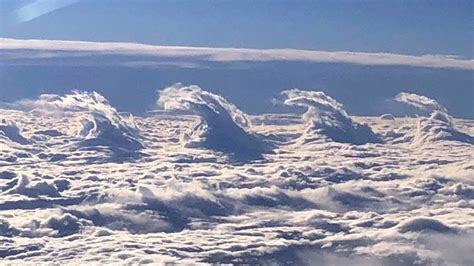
(65, 199)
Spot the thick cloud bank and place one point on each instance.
(326, 116)
(438, 125)
(223, 126)
(12, 49)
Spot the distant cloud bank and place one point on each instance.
(11, 49)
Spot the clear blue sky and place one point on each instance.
(406, 27)
(395, 26)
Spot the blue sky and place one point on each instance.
(421, 36)
(405, 27)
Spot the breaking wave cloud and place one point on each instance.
(223, 127)
(325, 116)
(438, 125)
(97, 125)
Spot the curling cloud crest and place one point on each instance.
(193, 98)
(101, 123)
(223, 126)
(326, 116)
(438, 125)
(420, 102)
(77, 101)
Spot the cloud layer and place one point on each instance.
(389, 203)
(28, 49)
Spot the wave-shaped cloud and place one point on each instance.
(420, 102)
(30, 49)
(101, 124)
(223, 126)
(327, 116)
(438, 125)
